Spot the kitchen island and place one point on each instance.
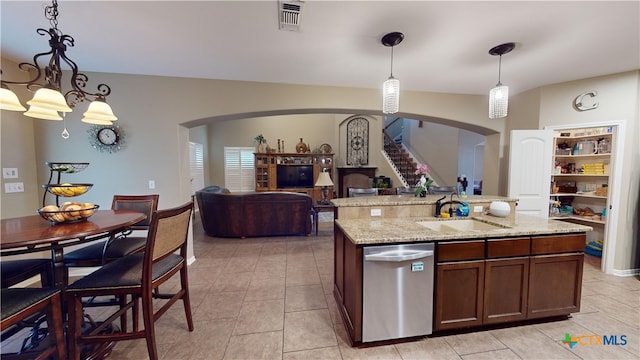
(487, 270)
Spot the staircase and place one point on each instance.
(401, 160)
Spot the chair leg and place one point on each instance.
(185, 298)
(56, 327)
(135, 312)
(74, 305)
(122, 300)
(149, 326)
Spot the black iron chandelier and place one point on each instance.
(48, 100)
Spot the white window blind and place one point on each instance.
(239, 171)
(196, 162)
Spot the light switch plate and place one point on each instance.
(376, 212)
(9, 173)
(477, 208)
(13, 187)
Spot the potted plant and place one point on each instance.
(260, 140)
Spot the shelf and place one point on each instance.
(578, 218)
(584, 137)
(579, 195)
(588, 156)
(580, 175)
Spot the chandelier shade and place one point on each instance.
(100, 113)
(9, 101)
(499, 95)
(46, 81)
(391, 87)
(42, 113)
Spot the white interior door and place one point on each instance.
(530, 170)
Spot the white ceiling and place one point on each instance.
(445, 48)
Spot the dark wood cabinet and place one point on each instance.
(555, 283)
(505, 290)
(459, 294)
(348, 283)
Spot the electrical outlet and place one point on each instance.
(376, 212)
(152, 184)
(9, 173)
(14, 187)
(477, 208)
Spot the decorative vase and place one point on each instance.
(260, 148)
(301, 147)
(423, 193)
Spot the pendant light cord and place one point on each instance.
(499, 69)
(392, 61)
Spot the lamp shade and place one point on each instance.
(9, 101)
(100, 113)
(498, 101)
(42, 113)
(49, 99)
(391, 96)
(324, 179)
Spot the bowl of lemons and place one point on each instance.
(68, 189)
(68, 212)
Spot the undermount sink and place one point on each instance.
(449, 226)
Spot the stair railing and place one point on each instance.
(405, 165)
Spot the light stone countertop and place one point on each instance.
(388, 200)
(402, 230)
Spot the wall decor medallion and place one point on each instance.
(106, 138)
(581, 103)
(358, 141)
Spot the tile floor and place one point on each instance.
(270, 298)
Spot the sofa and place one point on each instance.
(254, 214)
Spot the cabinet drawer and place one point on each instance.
(508, 247)
(557, 244)
(460, 250)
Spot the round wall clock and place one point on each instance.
(106, 138)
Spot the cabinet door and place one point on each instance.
(555, 282)
(459, 294)
(505, 290)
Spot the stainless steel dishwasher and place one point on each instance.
(397, 291)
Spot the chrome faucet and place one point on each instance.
(440, 204)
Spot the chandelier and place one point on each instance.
(391, 87)
(48, 100)
(499, 95)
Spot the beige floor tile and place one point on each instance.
(208, 341)
(265, 288)
(505, 354)
(302, 276)
(260, 316)
(327, 353)
(258, 346)
(381, 352)
(333, 309)
(612, 307)
(219, 305)
(305, 330)
(240, 264)
(429, 348)
(232, 282)
(529, 343)
(473, 342)
(307, 297)
(603, 324)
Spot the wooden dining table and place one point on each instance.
(28, 234)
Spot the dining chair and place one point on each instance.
(359, 192)
(102, 252)
(16, 271)
(139, 276)
(21, 304)
(406, 191)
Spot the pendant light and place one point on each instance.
(499, 95)
(391, 87)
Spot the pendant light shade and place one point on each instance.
(49, 99)
(391, 87)
(9, 101)
(499, 95)
(99, 113)
(42, 113)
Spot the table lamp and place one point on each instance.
(324, 180)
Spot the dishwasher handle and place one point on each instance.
(398, 255)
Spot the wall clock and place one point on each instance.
(106, 138)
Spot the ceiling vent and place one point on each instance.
(290, 13)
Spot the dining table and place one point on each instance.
(32, 233)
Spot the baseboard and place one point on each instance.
(624, 273)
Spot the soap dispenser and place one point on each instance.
(463, 210)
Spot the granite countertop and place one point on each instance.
(399, 230)
(389, 200)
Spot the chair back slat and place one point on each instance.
(171, 234)
(145, 204)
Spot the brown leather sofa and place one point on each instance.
(254, 214)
